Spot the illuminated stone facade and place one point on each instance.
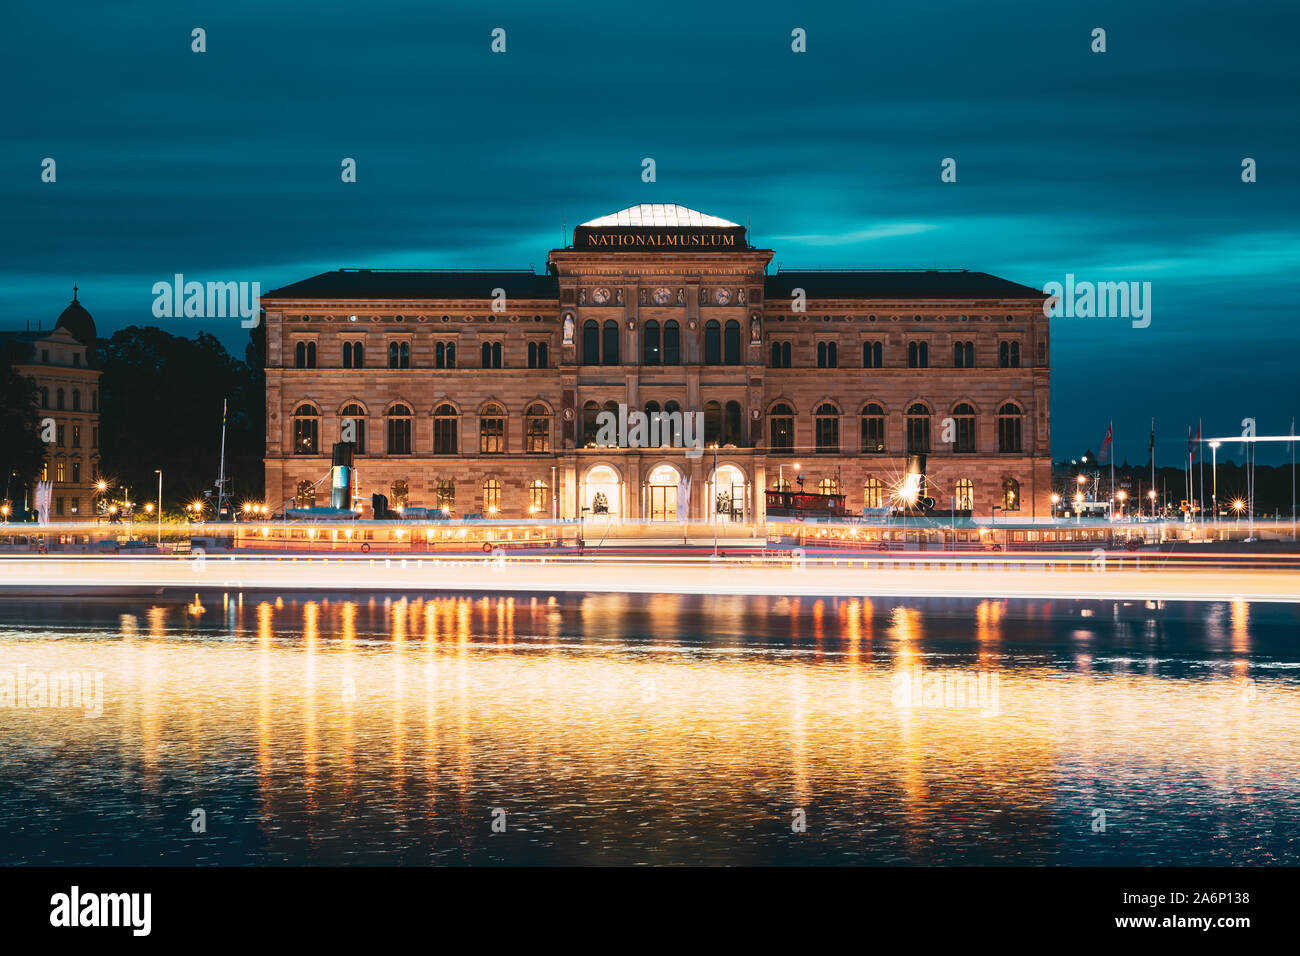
(477, 390)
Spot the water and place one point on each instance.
(625, 730)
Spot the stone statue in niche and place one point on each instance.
(568, 328)
(582, 297)
(642, 299)
(755, 329)
(618, 296)
(681, 296)
(740, 296)
(704, 295)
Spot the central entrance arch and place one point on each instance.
(662, 486)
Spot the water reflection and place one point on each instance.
(621, 729)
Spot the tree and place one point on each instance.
(161, 398)
(21, 450)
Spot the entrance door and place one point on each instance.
(663, 493)
(663, 502)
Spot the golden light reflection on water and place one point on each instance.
(440, 709)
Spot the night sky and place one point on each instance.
(1118, 166)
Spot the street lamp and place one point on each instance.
(1214, 479)
(1152, 495)
(1056, 500)
(1121, 495)
(158, 472)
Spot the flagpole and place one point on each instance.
(1152, 451)
(1292, 477)
(1110, 430)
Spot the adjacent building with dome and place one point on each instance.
(478, 392)
(61, 363)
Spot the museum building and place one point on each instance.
(479, 392)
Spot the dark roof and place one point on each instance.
(415, 284)
(77, 320)
(896, 284)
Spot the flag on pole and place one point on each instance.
(1151, 445)
(1104, 454)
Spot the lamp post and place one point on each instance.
(1214, 480)
(158, 472)
(1056, 500)
(1121, 496)
(1152, 495)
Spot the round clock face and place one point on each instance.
(663, 296)
(723, 296)
(600, 296)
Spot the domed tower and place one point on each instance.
(77, 320)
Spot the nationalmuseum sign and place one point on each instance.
(667, 239)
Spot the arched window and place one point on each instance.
(590, 410)
(781, 421)
(444, 430)
(731, 343)
(731, 425)
(305, 495)
(712, 423)
(445, 494)
(399, 354)
(828, 429)
(873, 493)
(1009, 354)
(491, 496)
(491, 354)
(712, 342)
(780, 355)
(399, 494)
(873, 354)
(537, 429)
(76, 399)
(304, 355)
(492, 430)
(1010, 494)
(538, 499)
(964, 494)
(306, 430)
(58, 398)
(1009, 417)
(353, 355)
(918, 429)
(444, 355)
(537, 355)
(609, 343)
(827, 355)
(918, 354)
(672, 343)
(45, 397)
(873, 429)
(828, 486)
(650, 354)
(353, 427)
(399, 430)
(963, 354)
(964, 418)
(590, 342)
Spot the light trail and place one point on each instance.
(1069, 575)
